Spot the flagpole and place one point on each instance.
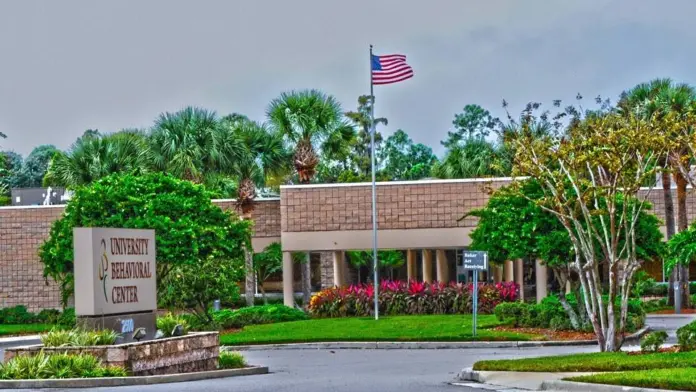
(374, 193)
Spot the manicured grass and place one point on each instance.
(599, 362)
(24, 329)
(678, 379)
(394, 328)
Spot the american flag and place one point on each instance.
(391, 68)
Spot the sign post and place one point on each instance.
(475, 261)
(115, 281)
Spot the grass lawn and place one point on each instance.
(600, 362)
(393, 328)
(24, 329)
(679, 379)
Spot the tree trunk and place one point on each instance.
(306, 273)
(250, 281)
(562, 276)
(263, 294)
(669, 223)
(682, 224)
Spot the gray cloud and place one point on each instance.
(71, 65)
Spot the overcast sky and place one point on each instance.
(66, 66)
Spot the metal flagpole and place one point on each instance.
(374, 193)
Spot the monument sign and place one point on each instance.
(115, 280)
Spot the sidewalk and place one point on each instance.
(19, 341)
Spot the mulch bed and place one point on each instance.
(550, 334)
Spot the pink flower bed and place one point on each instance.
(399, 297)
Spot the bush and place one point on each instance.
(68, 318)
(192, 232)
(655, 305)
(401, 298)
(48, 316)
(167, 324)
(686, 336)
(514, 312)
(652, 341)
(267, 314)
(17, 315)
(229, 360)
(43, 366)
(78, 338)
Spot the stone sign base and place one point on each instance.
(123, 324)
(195, 352)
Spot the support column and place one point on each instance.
(288, 280)
(427, 266)
(519, 276)
(442, 270)
(411, 264)
(508, 271)
(339, 268)
(497, 273)
(542, 280)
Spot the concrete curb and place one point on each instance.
(417, 345)
(518, 380)
(129, 381)
(19, 341)
(571, 386)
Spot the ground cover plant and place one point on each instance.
(43, 366)
(409, 298)
(265, 314)
(366, 329)
(78, 338)
(231, 360)
(682, 379)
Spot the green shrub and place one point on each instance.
(191, 232)
(167, 323)
(43, 366)
(17, 315)
(48, 316)
(560, 323)
(266, 314)
(652, 341)
(686, 336)
(514, 312)
(655, 305)
(67, 318)
(230, 360)
(78, 338)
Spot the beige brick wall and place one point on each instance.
(399, 206)
(23, 230)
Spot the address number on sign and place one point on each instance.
(127, 326)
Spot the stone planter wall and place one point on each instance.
(195, 352)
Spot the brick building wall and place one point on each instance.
(24, 229)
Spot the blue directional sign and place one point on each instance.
(475, 260)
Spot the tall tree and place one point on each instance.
(264, 155)
(475, 158)
(590, 178)
(404, 160)
(13, 164)
(361, 149)
(307, 119)
(36, 165)
(663, 97)
(191, 144)
(95, 156)
(473, 122)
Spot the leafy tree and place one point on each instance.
(661, 97)
(36, 165)
(264, 154)
(475, 158)
(584, 176)
(308, 120)
(190, 230)
(361, 154)
(268, 263)
(406, 160)
(94, 157)
(191, 144)
(474, 122)
(13, 177)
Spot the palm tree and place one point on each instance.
(655, 98)
(308, 120)
(264, 155)
(475, 158)
(93, 157)
(191, 144)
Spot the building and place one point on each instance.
(420, 218)
(39, 196)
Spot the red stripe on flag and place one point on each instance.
(407, 76)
